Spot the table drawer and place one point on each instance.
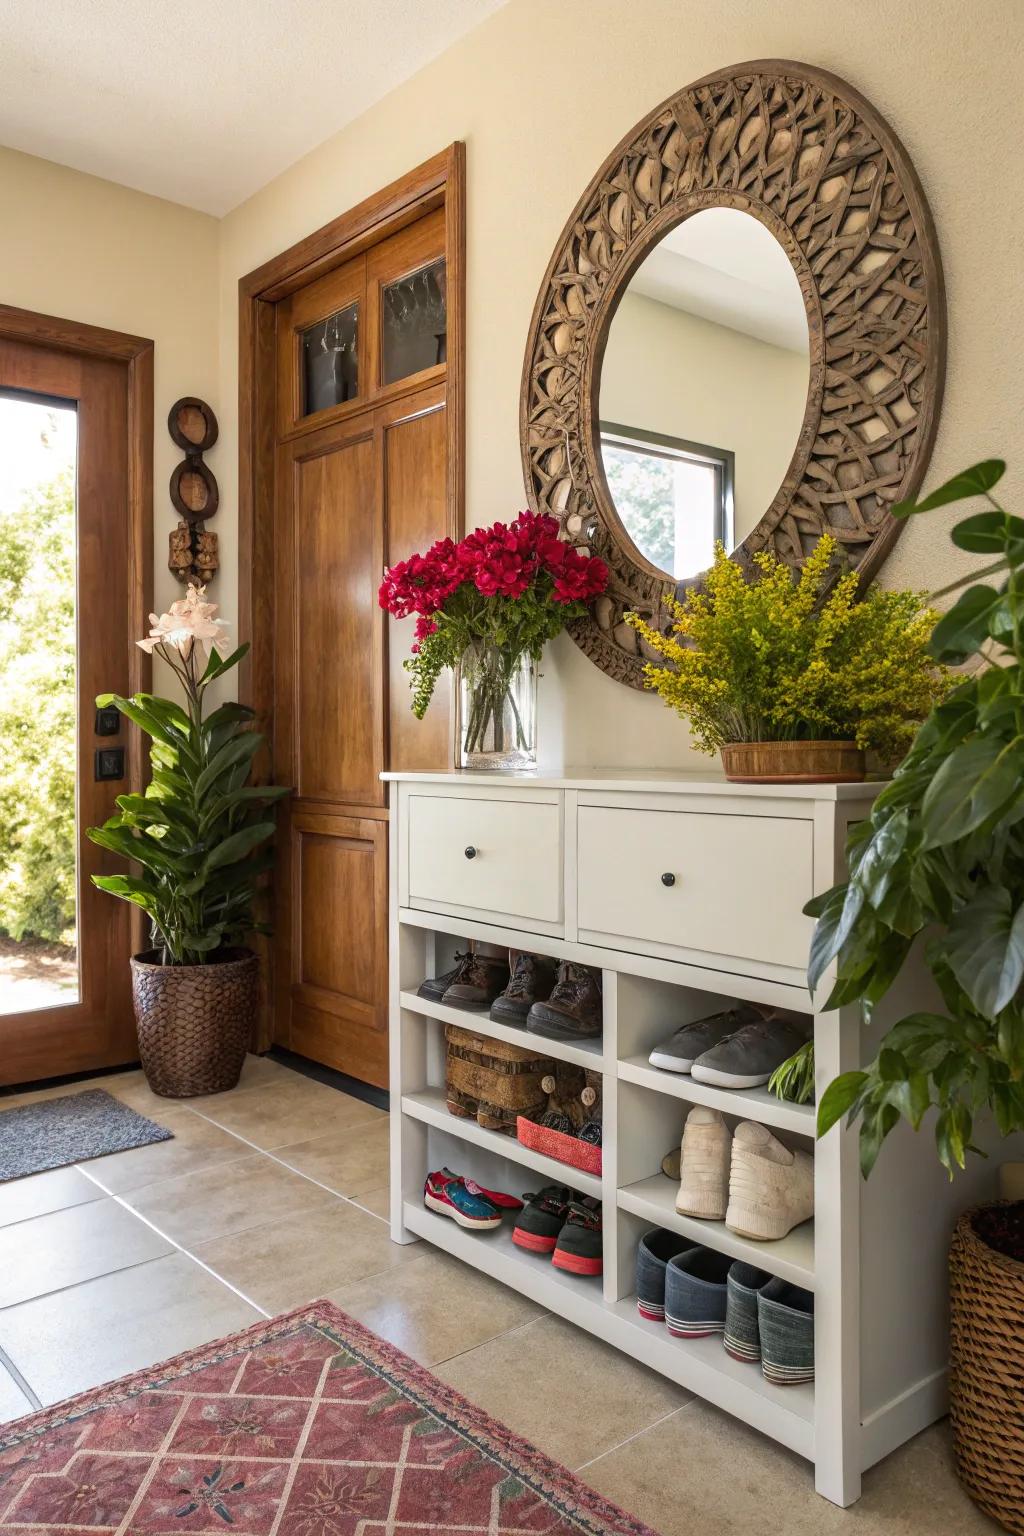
(737, 888)
(516, 864)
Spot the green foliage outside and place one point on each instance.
(643, 489)
(37, 714)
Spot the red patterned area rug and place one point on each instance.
(307, 1425)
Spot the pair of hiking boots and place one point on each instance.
(567, 1226)
(559, 1001)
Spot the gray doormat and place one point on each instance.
(55, 1132)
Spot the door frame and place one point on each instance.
(136, 353)
(439, 182)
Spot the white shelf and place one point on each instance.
(745, 1103)
(790, 1257)
(586, 1054)
(430, 1107)
(700, 1365)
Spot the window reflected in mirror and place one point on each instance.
(675, 498)
(414, 322)
(330, 362)
(708, 345)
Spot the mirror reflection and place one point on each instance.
(703, 388)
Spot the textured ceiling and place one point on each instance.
(203, 101)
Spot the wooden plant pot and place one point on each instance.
(986, 1378)
(194, 1021)
(793, 762)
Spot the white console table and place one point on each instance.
(570, 866)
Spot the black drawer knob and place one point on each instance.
(471, 852)
(668, 878)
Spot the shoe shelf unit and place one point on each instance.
(571, 867)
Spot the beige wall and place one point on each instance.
(541, 92)
(87, 250)
(668, 371)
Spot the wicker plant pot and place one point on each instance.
(986, 1381)
(194, 1021)
(793, 762)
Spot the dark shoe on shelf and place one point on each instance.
(533, 977)
(679, 1051)
(785, 1320)
(542, 1218)
(435, 987)
(580, 1249)
(695, 1293)
(748, 1058)
(573, 1011)
(478, 984)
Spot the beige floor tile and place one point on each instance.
(257, 1072)
(285, 1113)
(435, 1307)
(41, 1193)
(563, 1389)
(200, 1206)
(348, 1161)
(197, 1144)
(117, 1324)
(13, 1402)
(376, 1201)
(284, 1263)
(66, 1247)
(703, 1471)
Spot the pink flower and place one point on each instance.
(188, 622)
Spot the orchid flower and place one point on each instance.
(188, 622)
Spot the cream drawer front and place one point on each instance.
(740, 881)
(516, 868)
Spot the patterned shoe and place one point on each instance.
(449, 1196)
(542, 1219)
(495, 1196)
(580, 1247)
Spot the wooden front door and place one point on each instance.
(75, 564)
(361, 479)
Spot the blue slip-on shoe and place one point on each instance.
(695, 1293)
(742, 1336)
(652, 1255)
(785, 1320)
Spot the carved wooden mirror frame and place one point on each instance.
(806, 154)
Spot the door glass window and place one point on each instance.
(415, 322)
(329, 361)
(38, 727)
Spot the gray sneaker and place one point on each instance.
(679, 1051)
(748, 1058)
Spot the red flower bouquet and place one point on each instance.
(486, 606)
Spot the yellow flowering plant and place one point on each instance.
(771, 658)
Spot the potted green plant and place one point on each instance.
(195, 838)
(794, 680)
(938, 866)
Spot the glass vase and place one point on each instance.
(497, 710)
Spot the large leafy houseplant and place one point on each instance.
(939, 865)
(197, 833)
(766, 658)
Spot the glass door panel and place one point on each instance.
(38, 716)
(414, 322)
(330, 361)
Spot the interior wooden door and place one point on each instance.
(361, 480)
(85, 1019)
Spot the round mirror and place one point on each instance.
(703, 389)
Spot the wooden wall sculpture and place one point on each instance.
(808, 156)
(193, 555)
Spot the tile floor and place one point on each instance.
(275, 1194)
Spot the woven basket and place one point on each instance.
(987, 1370)
(793, 762)
(492, 1082)
(194, 1021)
